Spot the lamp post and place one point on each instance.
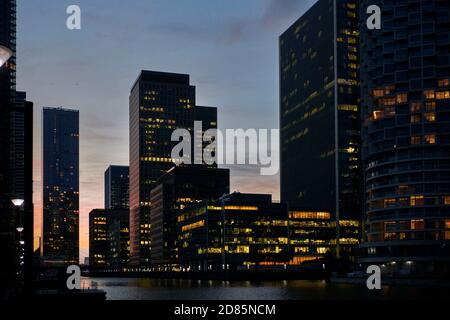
(5, 54)
(18, 204)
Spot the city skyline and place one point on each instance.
(93, 86)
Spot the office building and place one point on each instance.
(117, 187)
(118, 235)
(159, 103)
(16, 139)
(176, 190)
(98, 242)
(405, 84)
(7, 96)
(21, 175)
(235, 232)
(60, 186)
(319, 118)
(108, 239)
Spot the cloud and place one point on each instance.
(277, 11)
(277, 16)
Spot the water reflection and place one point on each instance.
(178, 289)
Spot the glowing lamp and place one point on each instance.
(18, 202)
(5, 54)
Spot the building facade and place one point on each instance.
(118, 235)
(237, 231)
(21, 179)
(319, 117)
(7, 96)
(159, 103)
(117, 187)
(176, 190)
(98, 239)
(405, 83)
(60, 186)
(109, 245)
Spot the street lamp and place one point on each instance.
(5, 54)
(17, 202)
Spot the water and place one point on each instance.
(176, 289)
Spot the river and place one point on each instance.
(176, 289)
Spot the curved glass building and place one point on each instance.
(405, 82)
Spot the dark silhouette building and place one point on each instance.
(320, 119)
(109, 239)
(117, 187)
(159, 103)
(7, 96)
(405, 83)
(21, 172)
(60, 186)
(176, 190)
(16, 171)
(98, 239)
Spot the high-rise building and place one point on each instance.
(236, 231)
(16, 166)
(405, 83)
(21, 173)
(108, 239)
(319, 117)
(98, 242)
(159, 103)
(179, 188)
(117, 187)
(7, 96)
(118, 256)
(207, 116)
(60, 186)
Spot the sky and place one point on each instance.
(229, 48)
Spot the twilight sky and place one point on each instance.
(229, 47)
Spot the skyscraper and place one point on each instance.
(159, 103)
(319, 116)
(405, 83)
(16, 140)
(179, 188)
(108, 239)
(21, 173)
(117, 187)
(60, 182)
(7, 92)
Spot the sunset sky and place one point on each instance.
(229, 47)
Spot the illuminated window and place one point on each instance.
(415, 140)
(377, 115)
(417, 224)
(417, 201)
(402, 98)
(416, 106)
(444, 83)
(443, 95)
(430, 139)
(415, 118)
(447, 200)
(309, 215)
(242, 208)
(431, 106)
(322, 250)
(429, 94)
(430, 116)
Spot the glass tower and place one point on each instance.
(117, 187)
(60, 159)
(319, 117)
(160, 102)
(405, 81)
